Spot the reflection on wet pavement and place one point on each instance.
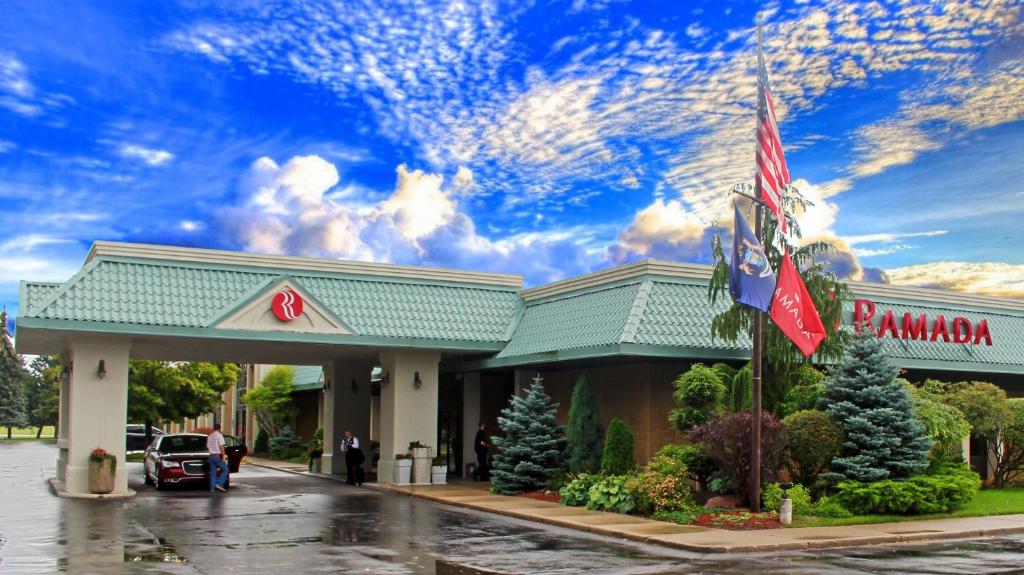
(273, 522)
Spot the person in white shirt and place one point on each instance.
(353, 459)
(218, 459)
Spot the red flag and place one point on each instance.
(793, 310)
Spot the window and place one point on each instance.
(184, 444)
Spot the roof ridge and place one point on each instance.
(636, 312)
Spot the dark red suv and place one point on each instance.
(182, 458)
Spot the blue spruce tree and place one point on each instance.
(531, 451)
(883, 439)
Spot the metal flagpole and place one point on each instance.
(755, 359)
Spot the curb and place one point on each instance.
(57, 488)
(837, 543)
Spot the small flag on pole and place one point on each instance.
(751, 279)
(771, 163)
(793, 310)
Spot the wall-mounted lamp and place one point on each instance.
(385, 378)
(416, 381)
(101, 371)
(327, 385)
(65, 374)
(355, 386)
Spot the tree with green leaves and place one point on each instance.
(808, 385)
(42, 393)
(583, 432)
(165, 391)
(271, 401)
(699, 394)
(530, 453)
(882, 438)
(12, 382)
(741, 389)
(780, 355)
(618, 449)
(945, 424)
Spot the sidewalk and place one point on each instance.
(701, 539)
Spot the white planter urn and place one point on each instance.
(402, 471)
(421, 471)
(439, 475)
(421, 452)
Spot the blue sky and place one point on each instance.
(542, 138)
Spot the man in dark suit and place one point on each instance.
(353, 459)
(480, 446)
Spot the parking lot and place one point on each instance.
(275, 522)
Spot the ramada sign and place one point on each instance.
(960, 330)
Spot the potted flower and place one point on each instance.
(316, 450)
(421, 463)
(403, 468)
(102, 469)
(439, 471)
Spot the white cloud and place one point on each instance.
(7, 146)
(190, 225)
(150, 156)
(16, 90)
(463, 178)
(1000, 279)
(290, 209)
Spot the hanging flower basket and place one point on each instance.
(102, 469)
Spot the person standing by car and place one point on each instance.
(218, 459)
(353, 459)
(480, 445)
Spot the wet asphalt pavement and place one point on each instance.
(275, 522)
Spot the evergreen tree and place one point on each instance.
(699, 393)
(12, 382)
(583, 434)
(42, 393)
(618, 449)
(531, 451)
(883, 439)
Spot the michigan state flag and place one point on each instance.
(751, 279)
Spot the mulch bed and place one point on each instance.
(739, 520)
(549, 496)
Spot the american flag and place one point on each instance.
(772, 173)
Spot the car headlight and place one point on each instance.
(168, 464)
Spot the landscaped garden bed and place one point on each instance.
(549, 496)
(739, 520)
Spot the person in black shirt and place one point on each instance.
(480, 445)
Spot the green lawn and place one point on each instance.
(26, 433)
(986, 502)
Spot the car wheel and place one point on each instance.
(160, 485)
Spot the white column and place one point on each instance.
(346, 408)
(97, 409)
(470, 417)
(407, 412)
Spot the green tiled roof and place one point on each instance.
(308, 377)
(37, 293)
(167, 293)
(662, 315)
(576, 321)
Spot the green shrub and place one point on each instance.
(262, 443)
(949, 489)
(806, 391)
(611, 494)
(695, 457)
(583, 431)
(699, 393)
(577, 491)
(654, 492)
(666, 465)
(680, 517)
(771, 495)
(618, 449)
(814, 439)
(828, 507)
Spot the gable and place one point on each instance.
(283, 306)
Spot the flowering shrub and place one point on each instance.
(100, 455)
(739, 520)
(694, 458)
(655, 492)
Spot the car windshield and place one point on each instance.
(183, 444)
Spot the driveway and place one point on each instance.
(275, 522)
